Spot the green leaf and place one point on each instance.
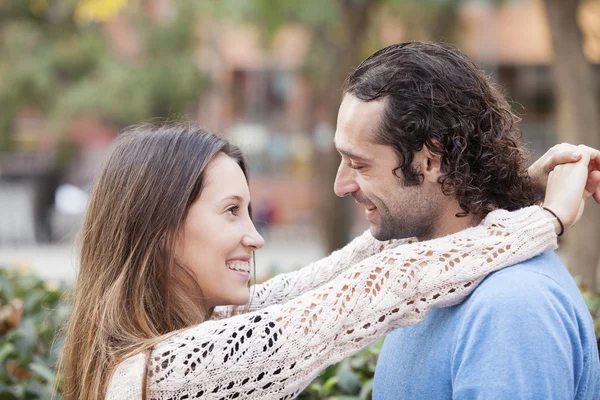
(10, 392)
(349, 381)
(6, 350)
(42, 371)
(367, 390)
(7, 291)
(330, 383)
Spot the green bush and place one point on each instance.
(31, 316)
(351, 379)
(593, 302)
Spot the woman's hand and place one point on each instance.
(568, 187)
(562, 154)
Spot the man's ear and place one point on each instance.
(431, 167)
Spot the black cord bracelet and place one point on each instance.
(562, 227)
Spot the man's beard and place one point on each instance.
(403, 226)
(402, 223)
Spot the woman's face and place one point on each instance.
(218, 236)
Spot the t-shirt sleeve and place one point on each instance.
(520, 343)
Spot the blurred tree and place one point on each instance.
(339, 29)
(58, 63)
(337, 48)
(64, 69)
(98, 10)
(344, 32)
(576, 92)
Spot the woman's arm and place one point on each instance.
(285, 287)
(278, 351)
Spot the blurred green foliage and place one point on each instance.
(31, 316)
(62, 69)
(593, 302)
(351, 379)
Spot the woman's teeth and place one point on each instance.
(239, 266)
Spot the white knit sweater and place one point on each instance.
(304, 321)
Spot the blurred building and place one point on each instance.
(261, 99)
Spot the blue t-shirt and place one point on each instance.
(524, 333)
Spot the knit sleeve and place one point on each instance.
(285, 287)
(276, 352)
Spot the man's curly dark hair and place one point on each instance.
(437, 97)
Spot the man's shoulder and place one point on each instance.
(536, 282)
(537, 273)
(521, 317)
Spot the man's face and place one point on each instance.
(393, 209)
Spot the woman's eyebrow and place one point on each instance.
(233, 197)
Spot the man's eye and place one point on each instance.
(354, 166)
(233, 210)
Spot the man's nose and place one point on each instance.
(344, 182)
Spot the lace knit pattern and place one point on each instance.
(299, 328)
(287, 286)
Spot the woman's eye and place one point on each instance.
(233, 210)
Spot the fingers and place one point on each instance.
(561, 154)
(593, 153)
(594, 162)
(592, 186)
(566, 186)
(593, 183)
(562, 157)
(564, 153)
(568, 153)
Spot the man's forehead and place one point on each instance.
(358, 120)
(357, 125)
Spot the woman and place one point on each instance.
(167, 247)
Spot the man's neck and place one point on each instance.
(449, 223)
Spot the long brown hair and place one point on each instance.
(130, 291)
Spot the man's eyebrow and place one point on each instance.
(352, 155)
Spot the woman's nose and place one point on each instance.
(253, 239)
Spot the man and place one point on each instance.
(429, 147)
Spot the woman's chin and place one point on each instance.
(240, 300)
(237, 300)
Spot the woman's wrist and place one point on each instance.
(558, 226)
